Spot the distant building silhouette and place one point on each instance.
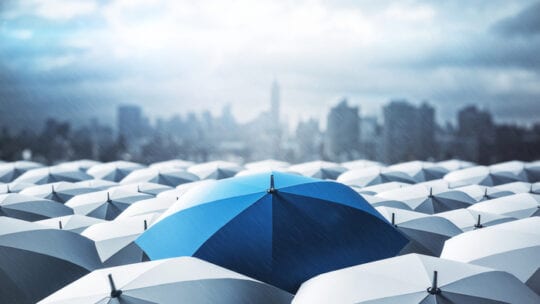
(408, 132)
(341, 142)
(308, 140)
(130, 122)
(476, 134)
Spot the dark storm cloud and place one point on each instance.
(526, 23)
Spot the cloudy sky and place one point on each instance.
(79, 58)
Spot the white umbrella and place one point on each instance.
(145, 188)
(424, 199)
(519, 206)
(148, 206)
(59, 191)
(376, 201)
(427, 233)
(176, 280)
(104, 204)
(172, 164)
(168, 177)
(361, 164)
(98, 184)
(468, 219)
(113, 171)
(75, 222)
(373, 176)
(10, 171)
(479, 175)
(215, 170)
(82, 164)
(14, 187)
(30, 208)
(376, 189)
(513, 247)
(419, 170)
(455, 164)
(268, 165)
(53, 174)
(319, 169)
(515, 167)
(514, 188)
(115, 239)
(532, 170)
(36, 261)
(182, 189)
(415, 279)
(482, 193)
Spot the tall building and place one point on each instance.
(408, 132)
(477, 131)
(308, 139)
(341, 142)
(130, 122)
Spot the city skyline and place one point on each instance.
(67, 58)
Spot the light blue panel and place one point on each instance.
(182, 233)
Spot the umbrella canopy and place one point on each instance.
(172, 164)
(376, 189)
(145, 188)
(54, 174)
(178, 280)
(319, 169)
(82, 164)
(427, 233)
(412, 279)
(60, 192)
(98, 184)
(14, 187)
(532, 170)
(424, 199)
(482, 193)
(148, 206)
(513, 247)
(182, 189)
(376, 201)
(215, 170)
(479, 175)
(254, 224)
(514, 188)
(10, 171)
(267, 165)
(373, 176)
(106, 204)
(167, 177)
(36, 261)
(113, 171)
(419, 170)
(114, 239)
(469, 219)
(30, 208)
(519, 206)
(515, 167)
(455, 164)
(361, 164)
(75, 222)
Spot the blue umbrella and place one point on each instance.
(278, 228)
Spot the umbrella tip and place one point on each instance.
(60, 225)
(52, 188)
(394, 219)
(434, 289)
(138, 188)
(145, 225)
(115, 293)
(7, 189)
(108, 197)
(478, 223)
(430, 191)
(485, 193)
(272, 189)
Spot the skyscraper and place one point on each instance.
(476, 129)
(408, 132)
(342, 132)
(130, 122)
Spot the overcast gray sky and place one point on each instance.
(174, 56)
